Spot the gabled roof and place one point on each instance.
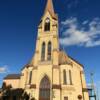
(75, 61)
(12, 76)
(66, 59)
(30, 63)
(63, 58)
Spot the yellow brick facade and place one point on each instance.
(53, 68)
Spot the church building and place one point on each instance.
(51, 74)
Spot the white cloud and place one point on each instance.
(3, 69)
(86, 34)
(85, 22)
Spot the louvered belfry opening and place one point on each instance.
(44, 90)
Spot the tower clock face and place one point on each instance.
(47, 20)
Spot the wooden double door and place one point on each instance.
(44, 90)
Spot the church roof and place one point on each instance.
(66, 59)
(30, 63)
(75, 61)
(50, 9)
(13, 76)
(63, 58)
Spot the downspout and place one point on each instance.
(51, 85)
(82, 85)
(60, 82)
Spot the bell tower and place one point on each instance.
(47, 43)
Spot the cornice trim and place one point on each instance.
(33, 86)
(55, 86)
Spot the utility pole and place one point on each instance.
(97, 94)
(93, 92)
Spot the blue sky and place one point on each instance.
(79, 33)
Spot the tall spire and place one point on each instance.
(49, 7)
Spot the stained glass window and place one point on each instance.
(49, 51)
(70, 77)
(43, 52)
(64, 77)
(30, 77)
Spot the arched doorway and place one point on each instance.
(44, 90)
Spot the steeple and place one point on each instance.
(50, 8)
(47, 44)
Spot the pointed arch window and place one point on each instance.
(49, 50)
(70, 77)
(64, 77)
(30, 77)
(43, 51)
(47, 25)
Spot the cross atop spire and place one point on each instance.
(49, 7)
